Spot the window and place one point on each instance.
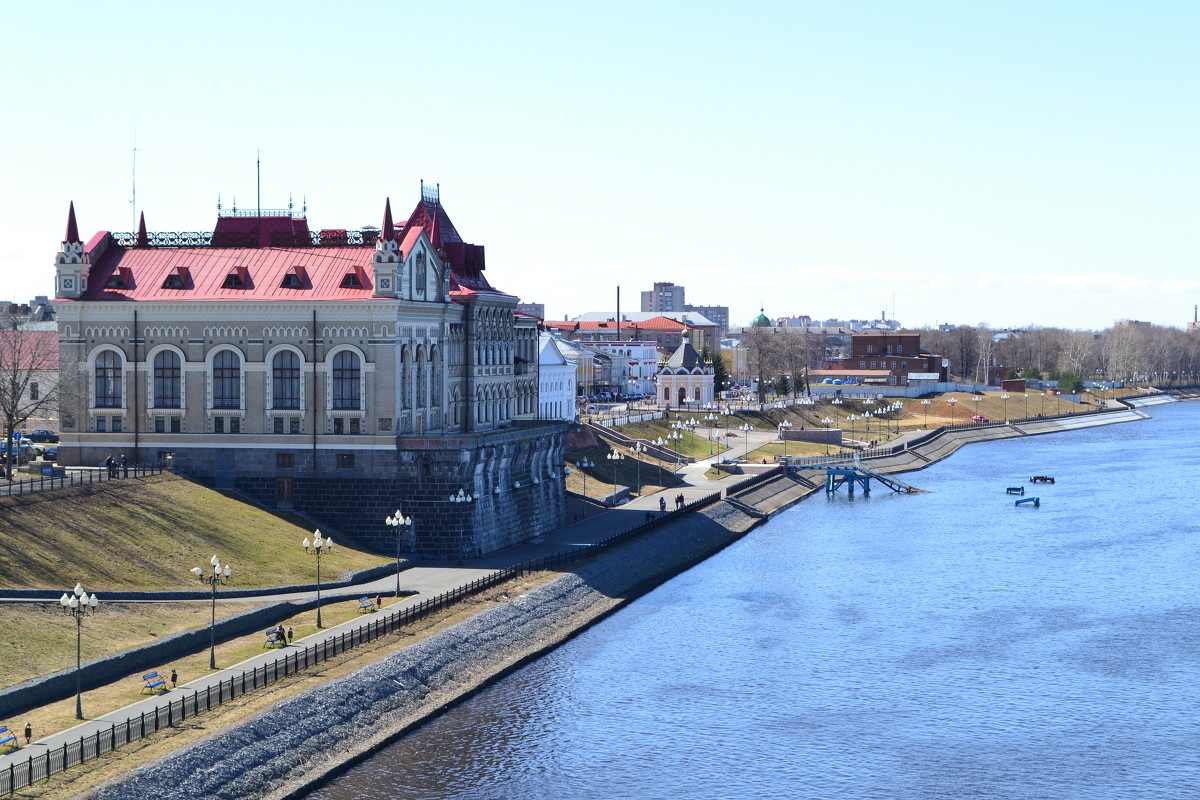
(218, 424)
(34, 390)
(285, 460)
(116, 424)
(338, 425)
(227, 380)
(175, 423)
(293, 424)
(419, 275)
(351, 281)
(278, 425)
(108, 380)
(904, 365)
(235, 424)
(160, 425)
(893, 365)
(862, 365)
(870, 349)
(345, 460)
(166, 380)
(872, 365)
(346, 381)
(101, 424)
(234, 280)
(285, 380)
(355, 425)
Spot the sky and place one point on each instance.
(1015, 163)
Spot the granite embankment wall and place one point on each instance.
(277, 755)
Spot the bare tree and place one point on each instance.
(29, 379)
(763, 356)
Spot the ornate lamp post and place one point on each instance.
(616, 458)
(218, 576)
(1004, 397)
(691, 425)
(78, 604)
(318, 548)
(925, 403)
(783, 429)
(977, 400)
(638, 449)
(745, 428)
(584, 466)
(710, 418)
(953, 402)
(396, 522)
(674, 439)
(1027, 405)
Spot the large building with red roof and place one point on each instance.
(342, 373)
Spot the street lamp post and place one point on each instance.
(953, 403)
(746, 428)
(616, 458)
(675, 438)
(977, 400)
(1027, 405)
(78, 604)
(584, 466)
(396, 522)
(318, 548)
(1004, 397)
(783, 428)
(925, 405)
(638, 449)
(218, 576)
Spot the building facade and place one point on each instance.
(341, 373)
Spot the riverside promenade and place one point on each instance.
(431, 579)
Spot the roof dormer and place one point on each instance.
(295, 278)
(238, 278)
(121, 278)
(177, 278)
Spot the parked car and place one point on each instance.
(50, 453)
(43, 435)
(979, 418)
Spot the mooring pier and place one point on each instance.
(837, 477)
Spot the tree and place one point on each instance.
(29, 383)
(762, 355)
(1031, 374)
(720, 374)
(782, 385)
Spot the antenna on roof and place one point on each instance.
(133, 197)
(218, 201)
(258, 177)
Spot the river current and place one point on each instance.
(940, 645)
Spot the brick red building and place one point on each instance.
(888, 358)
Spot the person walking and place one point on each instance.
(174, 677)
(289, 639)
(111, 463)
(28, 732)
(662, 504)
(124, 466)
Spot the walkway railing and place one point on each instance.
(68, 477)
(42, 766)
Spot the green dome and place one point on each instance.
(761, 321)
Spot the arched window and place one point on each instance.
(166, 380)
(108, 380)
(285, 380)
(346, 381)
(227, 380)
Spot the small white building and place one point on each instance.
(685, 380)
(556, 379)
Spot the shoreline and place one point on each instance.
(273, 755)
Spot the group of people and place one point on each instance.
(115, 465)
(284, 637)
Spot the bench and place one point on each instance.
(365, 604)
(153, 681)
(1041, 479)
(1015, 490)
(274, 639)
(6, 736)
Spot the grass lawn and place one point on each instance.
(146, 533)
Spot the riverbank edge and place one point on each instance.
(302, 742)
(272, 755)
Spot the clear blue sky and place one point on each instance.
(1015, 163)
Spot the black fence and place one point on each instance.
(55, 477)
(42, 766)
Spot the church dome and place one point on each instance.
(761, 321)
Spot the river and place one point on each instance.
(941, 645)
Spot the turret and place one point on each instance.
(71, 263)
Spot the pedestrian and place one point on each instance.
(662, 504)
(174, 677)
(112, 466)
(289, 636)
(124, 466)
(28, 732)
(378, 601)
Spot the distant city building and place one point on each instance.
(665, 296)
(802, 321)
(891, 359)
(537, 310)
(718, 315)
(665, 329)
(1132, 323)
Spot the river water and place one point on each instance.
(942, 645)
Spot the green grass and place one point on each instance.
(146, 533)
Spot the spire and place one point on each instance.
(388, 234)
(72, 227)
(142, 239)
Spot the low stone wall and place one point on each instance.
(57, 685)
(276, 755)
(816, 435)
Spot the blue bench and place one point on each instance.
(6, 736)
(365, 604)
(153, 682)
(274, 639)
